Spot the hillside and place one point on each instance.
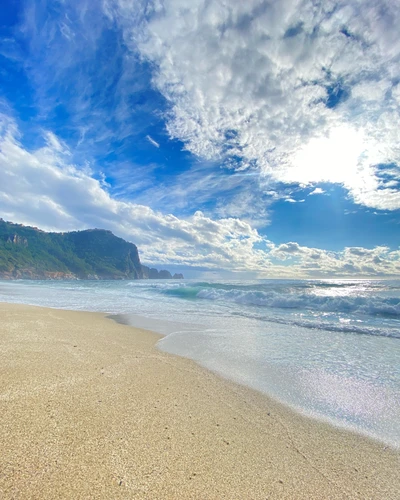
(30, 253)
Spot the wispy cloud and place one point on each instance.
(213, 190)
(88, 86)
(152, 141)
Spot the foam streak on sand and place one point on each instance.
(91, 409)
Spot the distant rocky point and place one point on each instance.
(95, 254)
(152, 273)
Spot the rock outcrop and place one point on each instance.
(152, 274)
(17, 240)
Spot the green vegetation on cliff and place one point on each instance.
(28, 252)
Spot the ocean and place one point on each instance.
(330, 349)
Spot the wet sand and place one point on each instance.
(91, 409)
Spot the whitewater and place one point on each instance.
(328, 348)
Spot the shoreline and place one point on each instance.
(148, 324)
(91, 408)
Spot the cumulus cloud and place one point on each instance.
(379, 261)
(290, 248)
(306, 92)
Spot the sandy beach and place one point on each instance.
(91, 409)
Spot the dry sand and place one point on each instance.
(90, 409)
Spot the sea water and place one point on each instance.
(328, 348)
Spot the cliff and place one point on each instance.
(29, 253)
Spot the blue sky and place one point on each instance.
(254, 138)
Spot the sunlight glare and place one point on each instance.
(335, 158)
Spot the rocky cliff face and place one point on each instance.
(17, 240)
(29, 253)
(109, 257)
(32, 274)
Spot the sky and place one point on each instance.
(254, 139)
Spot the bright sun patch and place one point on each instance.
(337, 158)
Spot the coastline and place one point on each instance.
(92, 409)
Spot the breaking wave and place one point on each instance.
(368, 305)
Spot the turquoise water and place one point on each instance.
(330, 349)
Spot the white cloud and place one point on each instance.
(42, 188)
(258, 80)
(316, 191)
(358, 261)
(152, 141)
(203, 185)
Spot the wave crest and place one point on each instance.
(388, 307)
